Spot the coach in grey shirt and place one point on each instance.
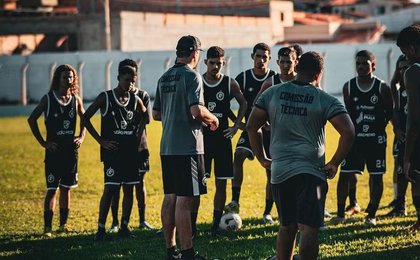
(298, 112)
(179, 104)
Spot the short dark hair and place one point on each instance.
(366, 54)
(310, 63)
(127, 70)
(261, 46)
(215, 52)
(286, 51)
(128, 62)
(298, 49)
(409, 36)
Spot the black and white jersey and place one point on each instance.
(403, 109)
(60, 119)
(275, 79)
(119, 123)
(369, 116)
(217, 100)
(250, 85)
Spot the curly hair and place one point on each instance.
(55, 84)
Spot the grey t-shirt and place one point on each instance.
(178, 89)
(298, 114)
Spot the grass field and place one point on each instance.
(23, 187)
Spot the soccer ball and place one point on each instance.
(230, 222)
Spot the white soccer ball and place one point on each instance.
(230, 222)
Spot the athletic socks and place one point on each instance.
(217, 215)
(340, 210)
(188, 254)
(114, 211)
(372, 210)
(142, 209)
(236, 193)
(268, 206)
(352, 196)
(124, 222)
(194, 223)
(48, 216)
(64, 214)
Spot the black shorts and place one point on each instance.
(395, 147)
(61, 168)
(415, 158)
(301, 199)
(143, 162)
(400, 157)
(121, 172)
(183, 175)
(365, 152)
(243, 143)
(219, 149)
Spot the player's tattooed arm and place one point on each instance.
(82, 132)
(237, 94)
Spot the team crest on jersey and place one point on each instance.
(211, 106)
(343, 163)
(220, 95)
(365, 128)
(123, 125)
(71, 113)
(250, 89)
(241, 140)
(66, 124)
(50, 178)
(374, 99)
(110, 172)
(129, 115)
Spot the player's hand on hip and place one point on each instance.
(407, 166)
(330, 170)
(109, 145)
(51, 146)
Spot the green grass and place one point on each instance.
(22, 191)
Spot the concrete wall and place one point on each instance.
(322, 32)
(99, 69)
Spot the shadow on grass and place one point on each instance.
(254, 241)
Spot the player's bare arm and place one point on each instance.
(201, 113)
(387, 98)
(344, 126)
(237, 94)
(412, 85)
(82, 131)
(98, 104)
(33, 124)
(256, 120)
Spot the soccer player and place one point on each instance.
(143, 159)
(179, 104)
(409, 42)
(121, 112)
(219, 89)
(298, 111)
(60, 106)
(250, 82)
(399, 119)
(369, 102)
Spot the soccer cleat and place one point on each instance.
(197, 256)
(337, 220)
(268, 219)
(370, 221)
(125, 232)
(113, 228)
(352, 210)
(415, 227)
(64, 229)
(327, 214)
(100, 235)
(146, 225)
(47, 232)
(397, 213)
(175, 255)
(233, 206)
